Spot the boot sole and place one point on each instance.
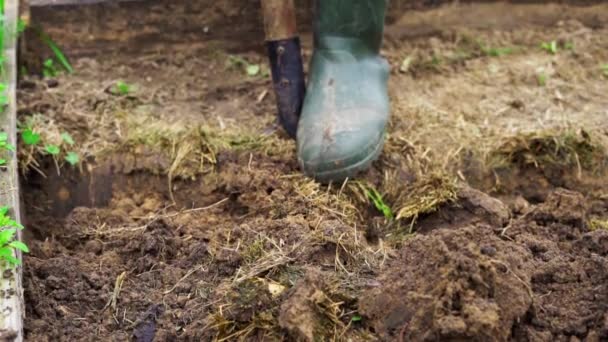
(350, 171)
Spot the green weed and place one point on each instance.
(49, 70)
(59, 55)
(31, 138)
(72, 158)
(122, 88)
(67, 138)
(496, 51)
(4, 144)
(550, 47)
(250, 69)
(376, 198)
(8, 244)
(542, 79)
(53, 150)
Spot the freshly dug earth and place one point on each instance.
(188, 219)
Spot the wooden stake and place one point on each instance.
(279, 19)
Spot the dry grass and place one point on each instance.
(566, 149)
(427, 196)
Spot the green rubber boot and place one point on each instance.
(346, 109)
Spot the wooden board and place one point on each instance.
(11, 289)
(36, 3)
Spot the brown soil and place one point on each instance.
(189, 220)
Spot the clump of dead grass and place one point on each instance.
(567, 149)
(598, 224)
(330, 200)
(251, 299)
(193, 149)
(189, 149)
(427, 195)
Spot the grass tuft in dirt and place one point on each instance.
(598, 224)
(427, 195)
(192, 150)
(578, 150)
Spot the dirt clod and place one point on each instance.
(444, 287)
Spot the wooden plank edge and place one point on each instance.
(12, 305)
(45, 3)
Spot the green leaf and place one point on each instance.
(356, 318)
(6, 236)
(121, 88)
(21, 26)
(20, 246)
(29, 137)
(4, 251)
(542, 79)
(57, 51)
(65, 136)
(4, 210)
(2, 162)
(550, 47)
(72, 158)
(3, 136)
(12, 260)
(253, 69)
(13, 223)
(52, 149)
(378, 202)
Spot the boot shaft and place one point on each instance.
(356, 22)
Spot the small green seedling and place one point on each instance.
(374, 196)
(436, 60)
(3, 95)
(59, 55)
(356, 318)
(251, 70)
(49, 70)
(67, 138)
(30, 137)
(541, 79)
(4, 144)
(8, 244)
(21, 26)
(497, 52)
(52, 149)
(550, 47)
(122, 88)
(72, 158)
